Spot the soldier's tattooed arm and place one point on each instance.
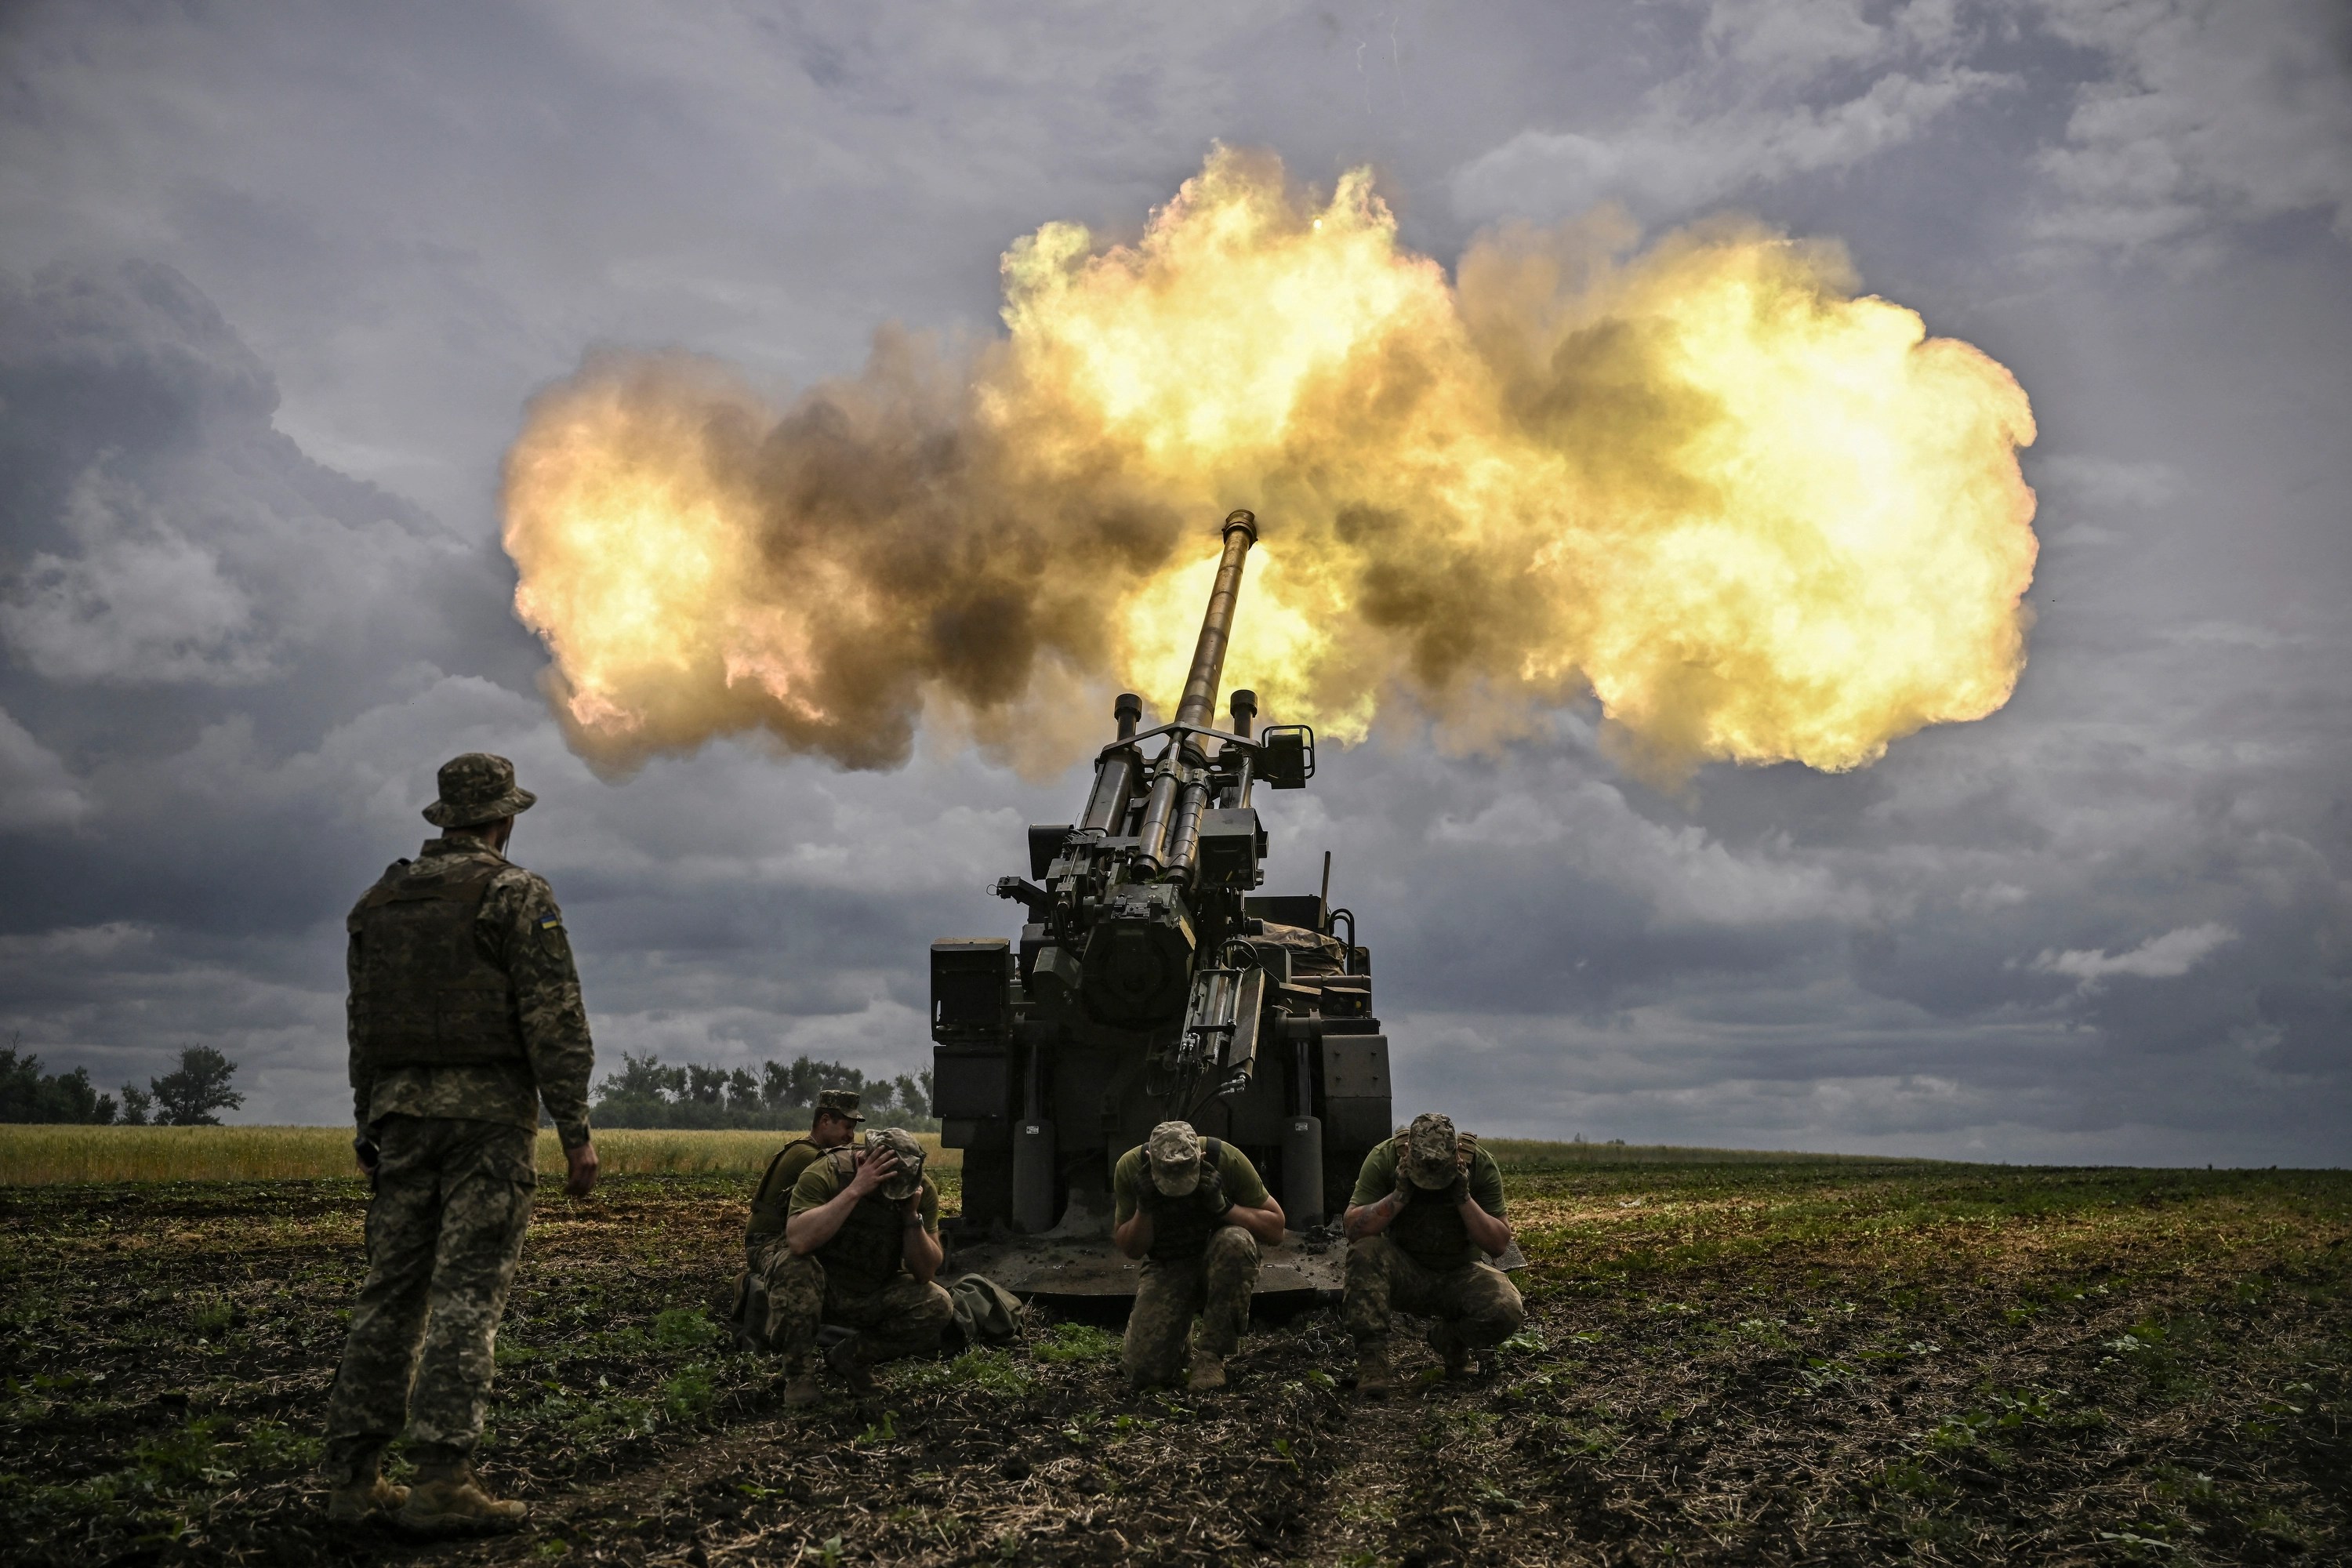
(1370, 1219)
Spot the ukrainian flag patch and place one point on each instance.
(551, 922)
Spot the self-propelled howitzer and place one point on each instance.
(1150, 982)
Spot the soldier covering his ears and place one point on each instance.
(465, 1018)
(832, 1126)
(1426, 1215)
(861, 1236)
(1195, 1210)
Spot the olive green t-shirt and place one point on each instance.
(1431, 1236)
(823, 1180)
(1242, 1184)
(768, 1204)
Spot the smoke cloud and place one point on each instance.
(1759, 516)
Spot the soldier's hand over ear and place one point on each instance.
(877, 1167)
(580, 1179)
(1211, 1194)
(1457, 1195)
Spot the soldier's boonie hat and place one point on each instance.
(476, 788)
(842, 1102)
(1431, 1151)
(1173, 1152)
(908, 1179)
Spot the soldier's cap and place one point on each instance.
(842, 1102)
(1431, 1151)
(908, 1180)
(1173, 1152)
(476, 788)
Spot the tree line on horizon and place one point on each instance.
(190, 1095)
(777, 1097)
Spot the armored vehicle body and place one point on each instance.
(1151, 982)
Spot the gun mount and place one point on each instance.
(1150, 982)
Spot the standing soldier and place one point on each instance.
(1426, 1215)
(465, 1018)
(861, 1236)
(764, 1252)
(1195, 1210)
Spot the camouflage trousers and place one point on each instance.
(1217, 1287)
(452, 1199)
(1477, 1298)
(904, 1318)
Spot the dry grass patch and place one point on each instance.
(32, 1156)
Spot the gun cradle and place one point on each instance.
(1149, 982)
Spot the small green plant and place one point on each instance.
(211, 1317)
(684, 1329)
(688, 1395)
(1074, 1342)
(883, 1431)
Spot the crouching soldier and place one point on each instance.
(1195, 1210)
(1426, 1215)
(863, 1237)
(833, 1126)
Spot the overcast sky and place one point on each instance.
(276, 280)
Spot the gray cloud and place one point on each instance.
(275, 282)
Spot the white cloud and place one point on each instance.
(2212, 110)
(36, 788)
(140, 602)
(1666, 162)
(1747, 115)
(2166, 957)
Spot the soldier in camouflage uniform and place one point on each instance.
(1426, 1216)
(1195, 1210)
(833, 1126)
(863, 1237)
(465, 1018)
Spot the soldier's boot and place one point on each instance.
(448, 1501)
(1446, 1340)
(1372, 1374)
(1208, 1375)
(355, 1502)
(800, 1388)
(849, 1363)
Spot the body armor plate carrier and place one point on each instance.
(1181, 1226)
(425, 995)
(871, 1243)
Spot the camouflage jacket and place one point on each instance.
(520, 931)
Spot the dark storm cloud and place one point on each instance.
(276, 280)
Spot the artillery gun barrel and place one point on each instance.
(1199, 703)
(1163, 811)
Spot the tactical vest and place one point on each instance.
(1431, 1232)
(1180, 1230)
(772, 1203)
(423, 994)
(871, 1243)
